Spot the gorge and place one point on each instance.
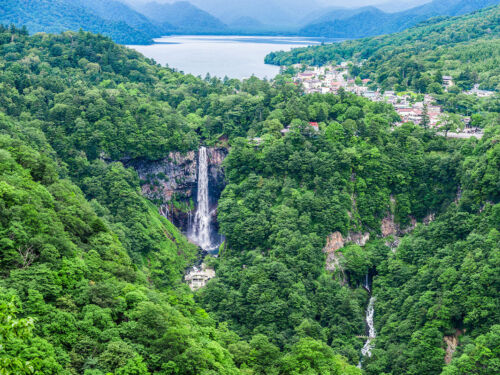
(108, 162)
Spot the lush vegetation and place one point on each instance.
(112, 18)
(91, 274)
(182, 17)
(443, 281)
(284, 198)
(89, 268)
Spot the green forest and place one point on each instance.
(91, 275)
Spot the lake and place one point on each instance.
(233, 56)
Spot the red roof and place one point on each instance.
(315, 124)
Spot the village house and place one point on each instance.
(447, 81)
(314, 125)
(285, 130)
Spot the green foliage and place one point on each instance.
(285, 196)
(99, 270)
(368, 21)
(442, 281)
(479, 357)
(309, 356)
(20, 351)
(76, 278)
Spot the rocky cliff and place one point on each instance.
(171, 183)
(389, 229)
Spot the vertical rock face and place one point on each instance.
(335, 242)
(388, 226)
(171, 183)
(358, 238)
(451, 345)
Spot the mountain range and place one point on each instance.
(182, 17)
(370, 21)
(130, 22)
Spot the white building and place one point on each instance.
(197, 278)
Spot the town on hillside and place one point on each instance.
(332, 78)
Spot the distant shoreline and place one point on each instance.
(319, 40)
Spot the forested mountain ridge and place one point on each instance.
(372, 21)
(182, 17)
(61, 15)
(116, 11)
(111, 17)
(100, 270)
(131, 23)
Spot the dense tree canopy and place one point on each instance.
(91, 274)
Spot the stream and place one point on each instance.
(366, 351)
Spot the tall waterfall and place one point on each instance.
(370, 312)
(202, 220)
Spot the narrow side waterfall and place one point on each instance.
(202, 220)
(366, 283)
(366, 351)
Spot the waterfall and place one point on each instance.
(366, 283)
(367, 348)
(202, 219)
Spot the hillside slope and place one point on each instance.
(116, 11)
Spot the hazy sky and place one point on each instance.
(343, 3)
(353, 3)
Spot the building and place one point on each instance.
(285, 130)
(480, 93)
(447, 81)
(314, 125)
(197, 278)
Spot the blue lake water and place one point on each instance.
(232, 56)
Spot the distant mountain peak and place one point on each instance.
(372, 21)
(183, 15)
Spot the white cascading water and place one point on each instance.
(370, 312)
(202, 219)
(366, 283)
